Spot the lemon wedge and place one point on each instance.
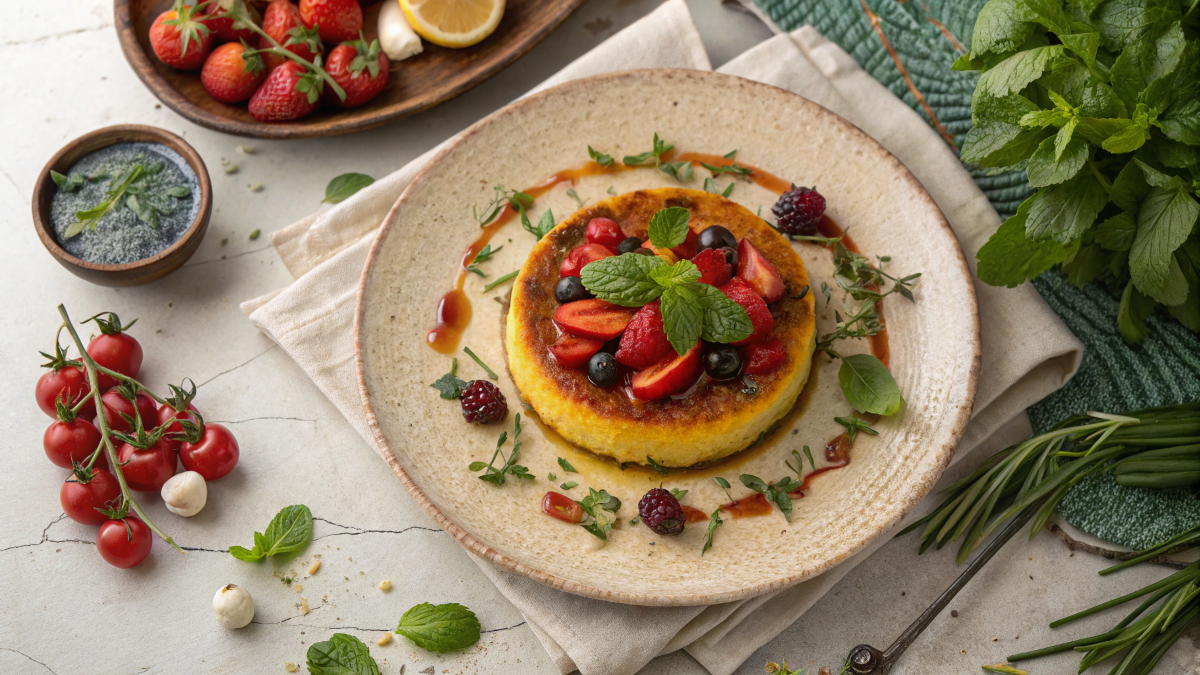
(453, 23)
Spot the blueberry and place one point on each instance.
(602, 369)
(570, 289)
(722, 363)
(715, 237)
(731, 256)
(629, 245)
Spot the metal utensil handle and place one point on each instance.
(866, 660)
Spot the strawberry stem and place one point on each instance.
(237, 12)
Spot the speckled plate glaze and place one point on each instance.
(934, 342)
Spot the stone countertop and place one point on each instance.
(64, 75)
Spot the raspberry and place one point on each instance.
(661, 512)
(760, 315)
(482, 403)
(799, 210)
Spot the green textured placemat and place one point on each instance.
(925, 37)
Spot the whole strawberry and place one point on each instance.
(482, 403)
(282, 22)
(222, 25)
(231, 77)
(336, 20)
(361, 70)
(799, 210)
(179, 39)
(290, 92)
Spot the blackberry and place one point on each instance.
(482, 403)
(661, 512)
(799, 210)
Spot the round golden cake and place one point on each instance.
(714, 419)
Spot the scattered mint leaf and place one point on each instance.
(600, 158)
(345, 185)
(450, 386)
(566, 466)
(669, 227)
(868, 385)
(288, 532)
(1116, 233)
(1046, 168)
(568, 485)
(550, 476)
(714, 521)
(440, 628)
(1065, 211)
(341, 654)
(594, 506)
(545, 224)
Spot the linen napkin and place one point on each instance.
(1027, 352)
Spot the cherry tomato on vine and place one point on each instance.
(166, 413)
(114, 402)
(68, 381)
(80, 500)
(75, 440)
(114, 349)
(124, 543)
(213, 456)
(147, 470)
(560, 506)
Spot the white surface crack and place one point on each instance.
(47, 540)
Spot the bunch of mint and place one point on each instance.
(1099, 101)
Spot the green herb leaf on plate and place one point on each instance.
(623, 280)
(868, 385)
(566, 466)
(714, 521)
(449, 385)
(600, 158)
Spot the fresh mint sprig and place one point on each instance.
(596, 520)
(288, 532)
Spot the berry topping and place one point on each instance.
(644, 342)
(799, 210)
(570, 289)
(758, 272)
(760, 317)
(606, 232)
(731, 257)
(582, 255)
(723, 363)
(687, 250)
(602, 369)
(596, 319)
(482, 403)
(764, 357)
(715, 237)
(672, 375)
(714, 270)
(574, 352)
(661, 512)
(629, 245)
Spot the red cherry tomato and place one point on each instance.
(560, 506)
(116, 351)
(166, 412)
(606, 232)
(124, 543)
(74, 440)
(80, 500)
(69, 381)
(213, 456)
(114, 403)
(147, 470)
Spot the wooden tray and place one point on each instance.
(435, 75)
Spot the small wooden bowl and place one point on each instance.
(139, 271)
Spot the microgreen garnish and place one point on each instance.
(731, 154)
(799, 467)
(714, 521)
(677, 493)
(450, 386)
(502, 197)
(345, 186)
(551, 477)
(776, 493)
(500, 280)
(438, 628)
(600, 158)
(490, 373)
(659, 149)
(568, 485)
(724, 485)
(288, 532)
(136, 186)
(729, 168)
(710, 185)
(496, 476)
(594, 505)
(484, 253)
(566, 466)
(575, 195)
(658, 468)
(854, 425)
(680, 171)
(545, 223)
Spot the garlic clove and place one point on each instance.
(396, 37)
(185, 493)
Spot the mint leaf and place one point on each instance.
(724, 320)
(241, 553)
(669, 227)
(1165, 219)
(1181, 121)
(345, 186)
(1065, 211)
(1017, 71)
(449, 385)
(1116, 233)
(1130, 187)
(996, 137)
(868, 385)
(681, 272)
(1123, 21)
(1132, 313)
(1001, 26)
(624, 279)
(683, 317)
(341, 654)
(440, 628)
(1009, 257)
(289, 531)
(1044, 169)
(600, 158)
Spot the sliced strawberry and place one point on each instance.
(595, 318)
(763, 357)
(714, 271)
(574, 352)
(573, 264)
(760, 317)
(644, 342)
(687, 250)
(757, 271)
(669, 376)
(606, 232)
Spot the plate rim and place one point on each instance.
(473, 545)
(141, 65)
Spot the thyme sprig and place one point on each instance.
(508, 466)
